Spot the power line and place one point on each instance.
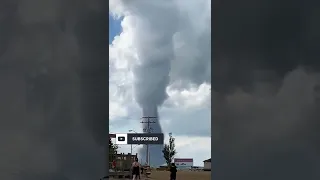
(148, 122)
(148, 130)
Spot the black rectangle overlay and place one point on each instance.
(143, 138)
(122, 138)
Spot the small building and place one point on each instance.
(207, 165)
(112, 135)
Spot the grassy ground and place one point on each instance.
(181, 175)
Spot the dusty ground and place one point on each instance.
(181, 175)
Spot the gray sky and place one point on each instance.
(53, 89)
(265, 109)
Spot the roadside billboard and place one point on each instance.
(183, 162)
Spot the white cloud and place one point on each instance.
(188, 147)
(196, 96)
(186, 113)
(116, 110)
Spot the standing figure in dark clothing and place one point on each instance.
(135, 169)
(173, 172)
(142, 170)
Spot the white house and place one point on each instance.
(207, 165)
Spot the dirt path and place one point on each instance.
(181, 175)
(142, 178)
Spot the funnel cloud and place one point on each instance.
(53, 76)
(170, 48)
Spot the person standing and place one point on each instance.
(142, 170)
(173, 172)
(135, 169)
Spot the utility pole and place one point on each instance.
(131, 144)
(148, 130)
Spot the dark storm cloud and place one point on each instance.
(265, 106)
(269, 35)
(53, 67)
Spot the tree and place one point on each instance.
(112, 149)
(169, 150)
(112, 152)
